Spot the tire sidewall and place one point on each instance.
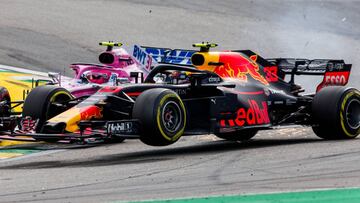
(329, 112)
(37, 103)
(162, 100)
(148, 108)
(349, 96)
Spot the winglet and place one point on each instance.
(205, 47)
(110, 45)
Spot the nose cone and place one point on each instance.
(73, 116)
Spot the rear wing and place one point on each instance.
(336, 72)
(148, 57)
(172, 56)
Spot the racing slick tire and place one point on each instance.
(336, 112)
(39, 103)
(162, 115)
(240, 135)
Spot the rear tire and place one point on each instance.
(162, 115)
(38, 104)
(336, 112)
(240, 135)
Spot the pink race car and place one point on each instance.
(117, 66)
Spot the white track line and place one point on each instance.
(23, 70)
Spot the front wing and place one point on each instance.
(90, 131)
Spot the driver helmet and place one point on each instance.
(98, 78)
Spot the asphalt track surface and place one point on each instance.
(49, 35)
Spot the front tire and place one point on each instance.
(39, 104)
(162, 115)
(336, 112)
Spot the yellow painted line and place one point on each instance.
(12, 153)
(9, 155)
(4, 143)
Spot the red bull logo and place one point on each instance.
(90, 112)
(229, 64)
(240, 67)
(72, 116)
(254, 115)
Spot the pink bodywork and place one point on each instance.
(116, 64)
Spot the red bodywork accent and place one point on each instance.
(110, 89)
(271, 73)
(222, 123)
(339, 78)
(231, 123)
(131, 94)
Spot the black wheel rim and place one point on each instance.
(171, 116)
(53, 109)
(353, 114)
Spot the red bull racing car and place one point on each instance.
(231, 94)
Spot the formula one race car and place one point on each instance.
(117, 66)
(232, 94)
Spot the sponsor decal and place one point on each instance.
(335, 66)
(142, 57)
(279, 102)
(270, 91)
(339, 78)
(256, 114)
(240, 67)
(90, 112)
(174, 56)
(214, 80)
(180, 91)
(114, 128)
